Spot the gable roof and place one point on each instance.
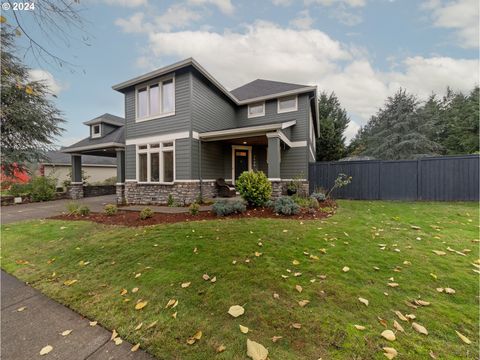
(260, 88)
(60, 158)
(108, 119)
(116, 138)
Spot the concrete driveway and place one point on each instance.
(41, 210)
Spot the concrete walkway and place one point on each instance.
(25, 333)
(46, 209)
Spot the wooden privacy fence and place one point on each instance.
(447, 178)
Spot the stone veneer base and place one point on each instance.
(75, 191)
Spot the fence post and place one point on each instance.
(419, 179)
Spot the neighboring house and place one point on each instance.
(183, 130)
(96, 168)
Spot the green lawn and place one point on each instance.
(165, 257)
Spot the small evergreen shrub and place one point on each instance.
(110, 209)
(17, 189)
(146, 213)
(254, 187)
(43, 188)
(225, 207)
(269, 204)
(72, 208)
(318, 196)
(286, 206)
(84, 210)
(170, 201)
(313, 203)
(194, 209)
(300, 200)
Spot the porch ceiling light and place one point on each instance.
(244, 143)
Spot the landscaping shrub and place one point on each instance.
(43, 188)
(269, 204)
(110, 209)
(84, 210)
(170, 201)
(18, 189)
(254, 187)
(194, 208)
(300, 200)
(319, 196)
(225, 207)
(146, 213)
(286, 206)
(313, 203)
(72, 208)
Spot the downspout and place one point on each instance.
(200, 169)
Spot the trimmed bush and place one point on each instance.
(110, 209)
(286, 206)
(313, 203)
(194, 208)
(43, 188)
(225, 207)
(318, 196)
(146, 213)
(84, 210)
(72, 208)
(300, 200)
(269, 204)
(17, 189)
(254, 187)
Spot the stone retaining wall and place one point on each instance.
(98, 190)
(279, 188)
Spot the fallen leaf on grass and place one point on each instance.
(389, 335)
(257, 254)
(152, 324)
(382, 322)
(139, 326)
(276, 338)
(432, 354)
(397, 326)
(363, 301)
(393, 284)
(174, 315)
(449, 291)
(346, 269)
(93, 323)
(66, 332)
(276, 296)
(221, 348)
(69, 282)
(419, 328)
(298, 288)
(140, 305)
(236, 310)
(170, 302)
(303, 303)
(400, 316)
(205, 277)
(192, 340)
(439, 253)
(138, 275)
(214, 279)
(463, 337)
(421, 302)
(114, 334)
(21, 262)
(134, 290)
(296, 262)
(256, 351)
(360, 327)
(390, 352)
(243, 329)
(123, 292)
(46, 350)
(135, 347)
(296, 325)
(20, 309)
(117, 341)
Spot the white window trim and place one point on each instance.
(241, 147)
(255, 115)
(149, 150)
(160, 93)
(280, 111)
(94, 136)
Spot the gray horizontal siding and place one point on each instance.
(107, 128)
(211, 110)
(213, 160)
(294, 163)
(183, 160)
(130, 159)
(175, 123)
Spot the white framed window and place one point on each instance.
(287, 104)
(96, 131)
(256, 109)
(155, 100)
(156, 163)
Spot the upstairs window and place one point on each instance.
(256, 109)
(287, 104)
(96, 131)
(156, 100)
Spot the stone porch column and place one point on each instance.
(273, 156)
(76, 185)
(120, 176)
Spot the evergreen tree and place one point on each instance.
(333, 123)
(29, 120)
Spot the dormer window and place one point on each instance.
(287, 104)
(155, 100)
(256, 109)
(96, 131)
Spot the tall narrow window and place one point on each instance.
(168, 96)
(154, 167)
(142, 167)
(168, 166)
(142, 103)
(154, 100)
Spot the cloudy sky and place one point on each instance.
(363, 50)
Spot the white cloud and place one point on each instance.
(309, 56)
(282, 2)
(345, 16)
(224, 6)
(134, 24)
(352, 3)
(47, 78)
(303, 20)
(459, 15)
(126, 3)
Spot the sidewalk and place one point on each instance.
(25, 333)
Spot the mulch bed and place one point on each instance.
(131, 218)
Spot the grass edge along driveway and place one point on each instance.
(381, 243)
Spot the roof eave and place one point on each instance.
(70, 150)
(277, 95)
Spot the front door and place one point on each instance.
(240, 161)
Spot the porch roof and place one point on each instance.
(244, 131)
(104, 146)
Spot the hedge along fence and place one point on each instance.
(447, 178)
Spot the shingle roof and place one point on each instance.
(117, 136)
(107, 118)
(260, 87)
(60, 158)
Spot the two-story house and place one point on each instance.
(183, 130)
